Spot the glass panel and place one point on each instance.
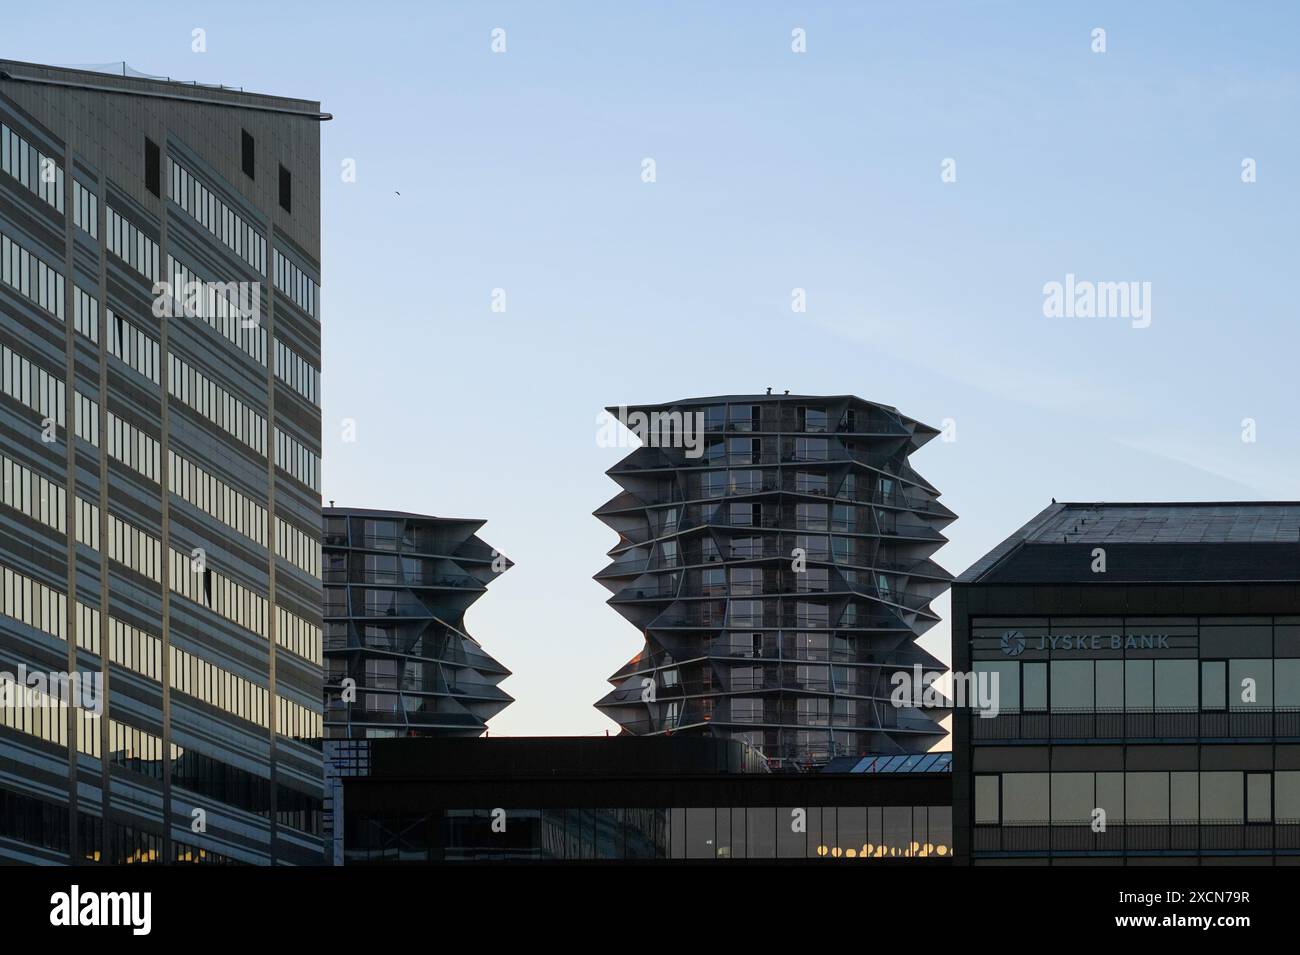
(1024, 798)
(987, 810)
(1110, 795)
(1214, 675)
(1073, 798)
(760, 832)
(1259, 797)
(1072, 685)
(1221, 797)
(1139, 690)
(1148, 797)
(1286, 785)
(1034, 688)
(1183, 798)
(1110, 685)
(1176, 684)
(1286, 688)
(1004, 678)
(791, 833)
(1250, 684)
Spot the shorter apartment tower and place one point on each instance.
(398, 660)
(775, 551)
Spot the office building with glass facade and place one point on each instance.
(160, 445)
(775, 552)
(1147, 664)
(636, 800)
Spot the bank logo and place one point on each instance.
(1013, 643)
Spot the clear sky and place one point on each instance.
(775, 170)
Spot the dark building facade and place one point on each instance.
(775, 552)
(635, 800)
(399, 660)
(1148, 670)
(160, 442)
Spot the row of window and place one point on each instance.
(131, 245)
(88, 628)
(40, 173)
(132, 347)
(698, 832)
(215, 403)
(28, 710)
(216, 498)
(29, 275)
(1208, 797)
(294, 370)
(297, 721)
(298, 636)
(32, 494)
(219, 593)
(85, 209)
(135, 749)
(1144, 685)
(218, 687)
(85, 313)
(292, 457)
(86, 418)
(134, 549)
(190, 194)
(134, 448)
(87, 524)
(295, 283)
(31, 602)
(231, 309)
(31, 385)
(298, 548)
(133, 648)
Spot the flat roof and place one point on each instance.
(1188, 541)
(134, 83)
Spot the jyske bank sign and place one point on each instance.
(1013, 642)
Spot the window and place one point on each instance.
(247, 154)
(1025, 798)
(1214, 677)
(152, 167)
(1175, 684)
(1034, 687)
(1221, 797)
(1250, 684)
(812, 419)
(1003, 682)
(1259, 797)
(286, 184)
(1072, 685)
(1139, 690)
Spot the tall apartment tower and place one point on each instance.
(775, 551)
(160, 443)
(397, 586)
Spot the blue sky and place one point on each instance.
(775, 170)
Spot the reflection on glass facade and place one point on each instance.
(775, 552)
(138, 478)
(677, 834)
